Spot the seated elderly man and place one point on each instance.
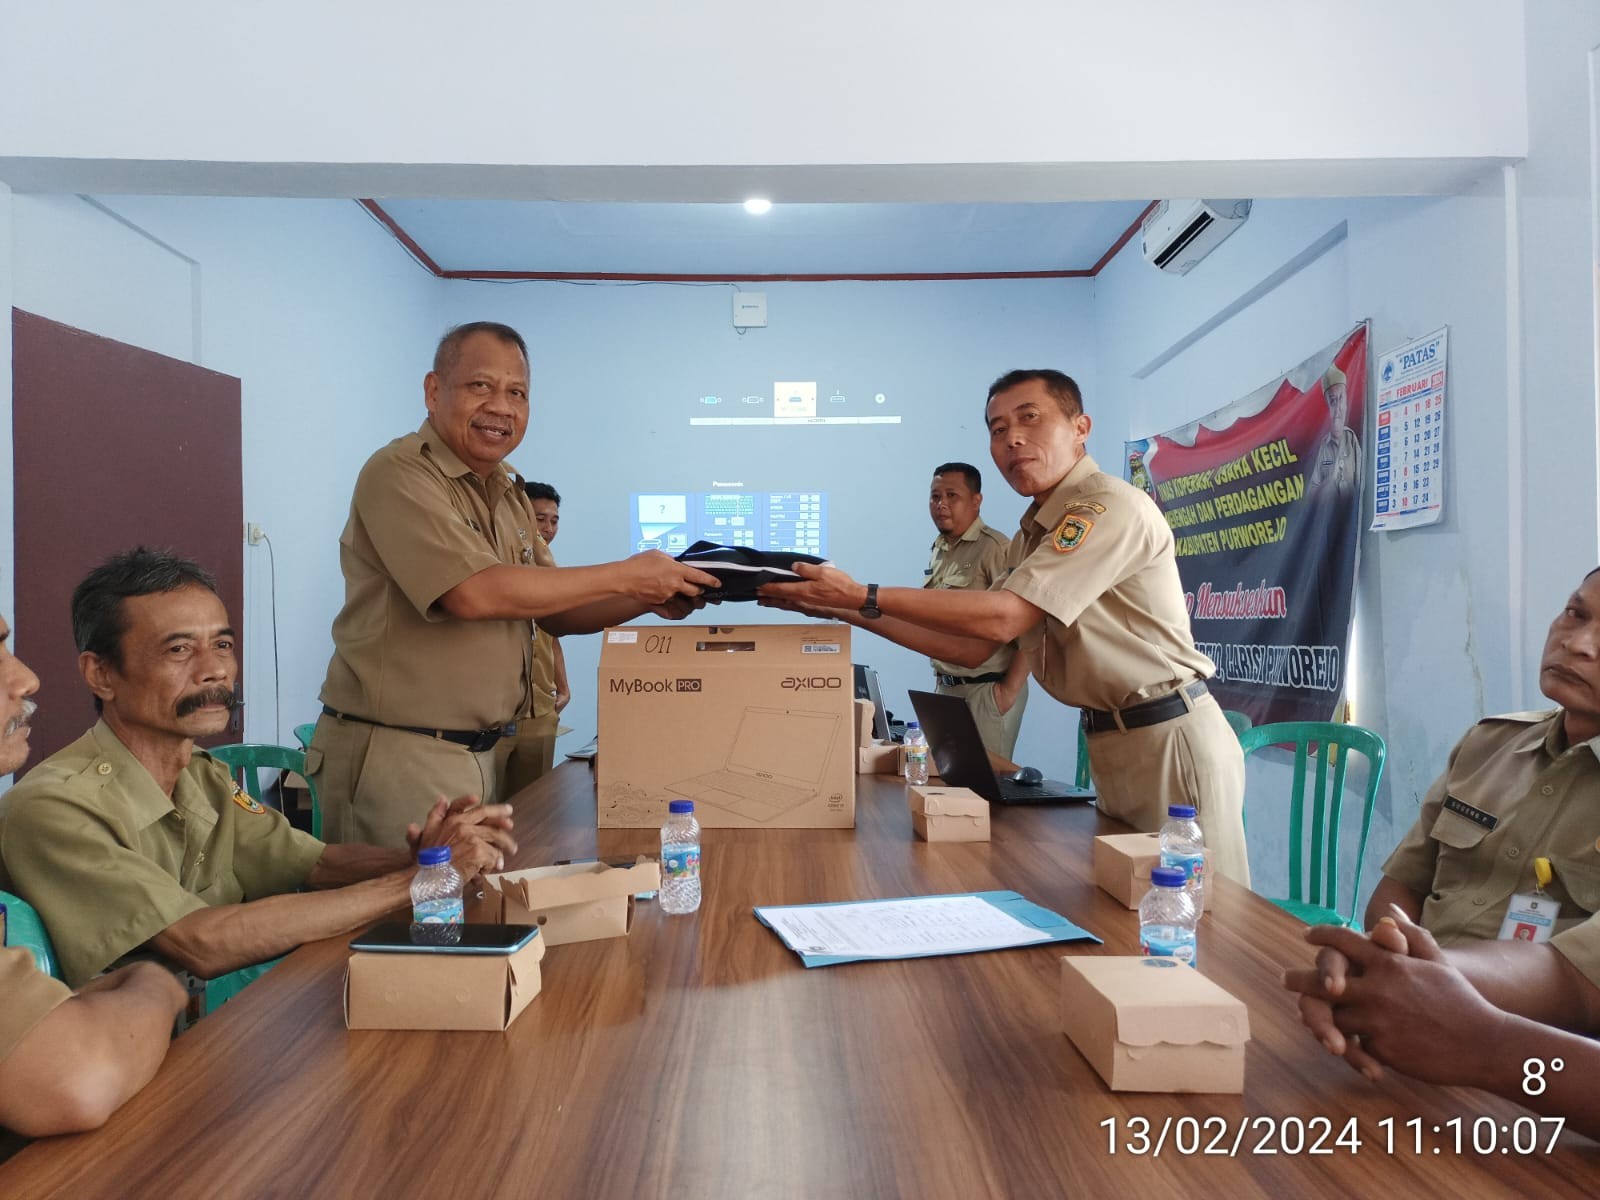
(68, 1061)
(132, 839)
(1503, 866)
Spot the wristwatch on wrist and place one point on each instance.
(870, 609)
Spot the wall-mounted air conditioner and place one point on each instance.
(1179, 233)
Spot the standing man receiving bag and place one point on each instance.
(971, 556)
(433, 649)
(1092, 594)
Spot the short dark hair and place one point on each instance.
(974, 477)
(1063, 387)
(98, 622)
(449, 351)
(542, 491)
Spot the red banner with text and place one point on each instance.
(1264, 501)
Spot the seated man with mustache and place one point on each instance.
(132, 839)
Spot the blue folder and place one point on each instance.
(1013, 904)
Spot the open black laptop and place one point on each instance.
(961, 760)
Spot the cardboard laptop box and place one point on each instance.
(1154, 1025)
(946, 814)
(754, 723)
(440, 991)
(575, 903)
(1122, 863)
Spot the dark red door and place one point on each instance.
(114, 447)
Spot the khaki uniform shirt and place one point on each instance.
(27, 996)
(92, 842)
(420, 523)
(543, 700)
(1520, 793)
(972, 562)
(1097, 557)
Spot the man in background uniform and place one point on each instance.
(1092, 592)
(531, 751)
(970, 555)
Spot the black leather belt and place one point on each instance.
(1151, 712)
(475, 740)
(959, 680)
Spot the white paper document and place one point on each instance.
(899, 928)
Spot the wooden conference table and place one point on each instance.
(697, 1058)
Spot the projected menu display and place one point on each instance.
(673, 521)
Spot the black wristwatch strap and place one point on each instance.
(870, 609)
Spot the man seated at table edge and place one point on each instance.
(1475, 845)
(68, 1061)
(97, 836)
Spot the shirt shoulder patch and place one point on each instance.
(246, 801)
(1071, 533)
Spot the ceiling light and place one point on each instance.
(758, 206)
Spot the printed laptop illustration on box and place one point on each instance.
(776, 764)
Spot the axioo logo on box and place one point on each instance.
(635, 687)
(799, 683)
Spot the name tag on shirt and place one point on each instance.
(1476, 815)
(1531, 918)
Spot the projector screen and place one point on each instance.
(674, 521)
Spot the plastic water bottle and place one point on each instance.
(680, 860)
(916, 754)
(1167, 918)
(436, 889)
(1183, 846)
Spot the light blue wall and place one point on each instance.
(616, 370)
(327, 322)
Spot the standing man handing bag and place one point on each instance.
(1091, 594)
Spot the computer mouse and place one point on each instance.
(1029, 777)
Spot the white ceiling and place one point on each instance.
(792, 239)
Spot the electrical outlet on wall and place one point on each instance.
(253, 534)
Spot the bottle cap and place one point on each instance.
(1183, 812)
(1169, 877)
(432, 856)
(681, 806)
(912, 725)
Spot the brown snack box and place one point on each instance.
(1122, 863)
(1154, 1025)
(947, 814)
(440, 991)
(578, 902)
(754, 723)
(879, 758)
(864, 715)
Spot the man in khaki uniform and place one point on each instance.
(531, 751)
(67, 1062)
(1093, 595)
(969, 555)
(1517, 789)
(131, 839)
(433, 650)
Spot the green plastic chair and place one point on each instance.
(1318, 904)
(247, 758)
(25, 931)
(1083, 779)
(1237, 721)
(302, 734)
